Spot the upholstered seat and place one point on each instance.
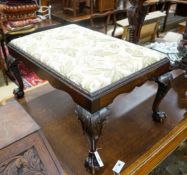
(86, 58)
(172, 37)
(118, 32)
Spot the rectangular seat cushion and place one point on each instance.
(86, 58)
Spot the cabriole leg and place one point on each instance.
(164, 84)
(92, 125)
(13, 69)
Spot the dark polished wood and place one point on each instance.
(12, 64)
(92, 125)
(166, 7)
(164, 85)
(136, 14)
(130, 134)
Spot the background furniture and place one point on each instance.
(114, 29)
(181, 8)
(100, 21)
(23, 147)
(46, 11)
(182, 26)
(19, 15)
(106, 21)
(149, 29)
(83, 11)
(161, 5)
(73, 5)
(2, 61)
(7, 36)
(104, 5)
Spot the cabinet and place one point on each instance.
(104, 5)
(23, 146)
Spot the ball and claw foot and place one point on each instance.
(18, 93)
(91, 163)
(159, 116)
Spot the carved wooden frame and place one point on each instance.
(136, 13)
(92, 104)
(28, 156)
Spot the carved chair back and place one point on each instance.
(100, 21)
(73, 5)
(118, 14)
(136, 14)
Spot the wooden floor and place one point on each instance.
(127, 135)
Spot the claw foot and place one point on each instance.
(91, 163)
(159, 116)
(18, 93)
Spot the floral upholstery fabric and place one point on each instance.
(87, 58)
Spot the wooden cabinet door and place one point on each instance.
(28, 155)
(104, 5)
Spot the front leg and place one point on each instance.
(14, 71)
(164, 84)
(92, 125)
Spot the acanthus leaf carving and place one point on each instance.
(28, 163)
